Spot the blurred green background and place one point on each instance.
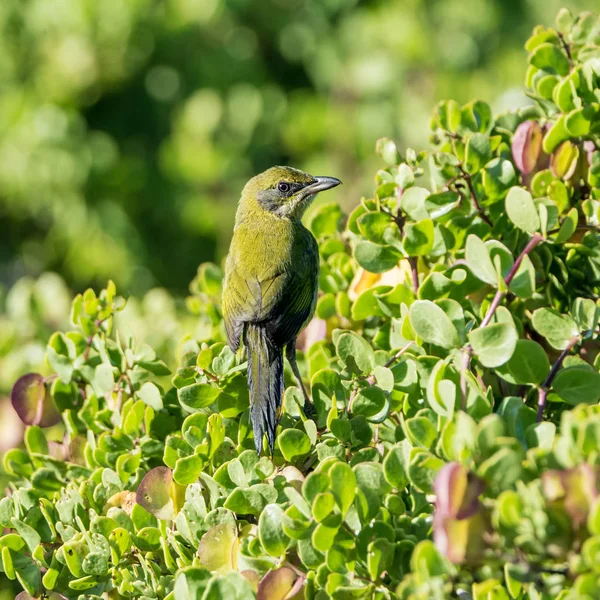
(128, 127)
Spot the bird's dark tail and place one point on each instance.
(265, 381)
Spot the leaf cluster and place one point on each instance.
(453, 366)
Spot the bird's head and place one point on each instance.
(284, 191)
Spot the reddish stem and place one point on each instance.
(543, 389)
(533, 242)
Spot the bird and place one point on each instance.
(270, 285)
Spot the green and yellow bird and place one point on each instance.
(271, 283)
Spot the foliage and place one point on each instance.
(453, 368)
(129, 126)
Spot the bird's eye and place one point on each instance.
(283, 187)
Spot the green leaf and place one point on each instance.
(418, 238)
(386, 148)
(549, 57)
(35, 440)
(30, 536)
(528, 364)
(187, 469)
(577, 385)
(369, 401)
(373, 226)
(343, 486)
(413, 203)
(394, 468)
(104, 379)
(498, 176)
(294, 444)
(355, 352)
(478, 152)
(479, 261)
(423, 468)
(197, 395)
(217, 550)
(191, 583)
(428, 562)
(557, 134)
(523, 283)
(420, 431)
(376, 258)
(494, 345)
(433, 325)
(325, 220)
(245, 501)
(150, 395)
(380, 555)
(558, 329)
(521, 210)
(568, 227)
(270, 530)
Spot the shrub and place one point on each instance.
(453, 369)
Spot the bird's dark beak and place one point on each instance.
(320, 185)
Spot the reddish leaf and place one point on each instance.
(281, 584)
(33, 402)
(526, 146)
(155, 493)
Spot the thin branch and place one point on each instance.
(566, 48)
(467, 177)
(533, 242)
(464, 367)
(468, 349)
(413, 261)
(543, 390)
(208, 374)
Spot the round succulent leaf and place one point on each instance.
(155, 493)
(494, 345)
(577, 385)
(477, 255)
(218, 548)
(433, 325)
(197, 395)
(369, 401)
(413, 203)
(557, 134)
(355, 352)
(343, 486)
(478, 152)
(281, 584)
(270, 530)
(191, 583)
(528, 364)
(419, 238)
(33, 402)
(376, 258)
(372, 226)
(151, 396)
(558, 329)
(294, 444)
(521, 210)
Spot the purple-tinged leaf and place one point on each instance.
(156, 493)
(526, 146)
(281, 584)
(32, 401)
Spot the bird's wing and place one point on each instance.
(280, 297)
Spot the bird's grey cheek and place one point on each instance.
(269, 200)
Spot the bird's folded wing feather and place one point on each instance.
(280, 299)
